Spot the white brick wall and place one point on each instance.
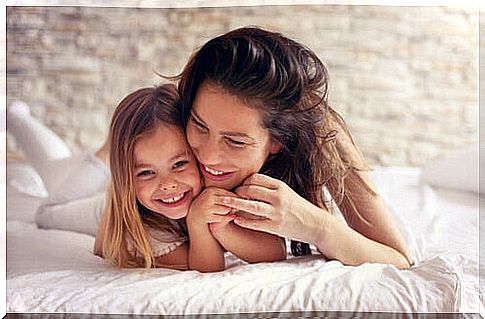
(405, 78)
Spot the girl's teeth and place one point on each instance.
(173, 199)
(213, 172)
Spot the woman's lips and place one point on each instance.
(215, 175)
(175, 201)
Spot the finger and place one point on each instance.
(220, 210)
(246, 205)
(256, 192)
(220, 219)
(218, 191)
(255, 224)
(262, 180)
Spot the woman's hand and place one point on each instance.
(276, 208)
(206, 208)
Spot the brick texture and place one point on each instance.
(405, 78)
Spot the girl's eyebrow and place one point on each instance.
(226, 133)
(140, 164)
(180, 155)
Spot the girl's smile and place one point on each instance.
(167, 178)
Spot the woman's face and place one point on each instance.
(166, 173)
(227, 137)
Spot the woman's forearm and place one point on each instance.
(335, 240)
(205, 253)
(250, 245)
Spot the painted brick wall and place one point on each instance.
(405, 78)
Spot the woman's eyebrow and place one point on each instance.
(226, 133)
(197, 117)
(237, 134)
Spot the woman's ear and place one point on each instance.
(275, 148)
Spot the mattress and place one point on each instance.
(56, 271)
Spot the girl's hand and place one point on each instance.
(277, 209)
(206, 207)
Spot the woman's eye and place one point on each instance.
(235, 143)
(199, 125)
(180, 164)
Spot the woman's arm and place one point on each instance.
(368, 216)
(363, 208)
(288, 214)
(249, 245)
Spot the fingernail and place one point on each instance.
(226, 200)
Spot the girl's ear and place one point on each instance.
(275, 148)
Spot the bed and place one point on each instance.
(54, 271)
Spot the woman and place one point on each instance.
(257, 118)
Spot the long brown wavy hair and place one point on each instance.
(126, 243)
(287, 83)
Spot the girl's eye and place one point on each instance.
(144, 173)
(235, 143)
(180, 164)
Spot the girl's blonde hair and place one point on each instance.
(126, 242)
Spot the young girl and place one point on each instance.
(154, 178)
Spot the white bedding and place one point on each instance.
(55, 271)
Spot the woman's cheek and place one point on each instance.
(192, 138)
(192, 176)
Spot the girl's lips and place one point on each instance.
(218, 178)
(186, 197)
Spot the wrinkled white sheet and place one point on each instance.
(55, 271)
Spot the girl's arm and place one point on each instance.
(205, 254)
(250, 245)
(98, 243)
(177, 259)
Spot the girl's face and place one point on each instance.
(227, 137)
(166, 173)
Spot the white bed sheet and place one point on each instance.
(55, 271)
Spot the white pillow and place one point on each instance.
(459, 170)
(24, 179)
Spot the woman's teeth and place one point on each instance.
(173, 199)
(212, 171)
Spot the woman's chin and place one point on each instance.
(228, 184)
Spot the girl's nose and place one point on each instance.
(168, 185)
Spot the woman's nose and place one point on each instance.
(209, 153)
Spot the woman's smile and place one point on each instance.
(215, 175)
(230, 143)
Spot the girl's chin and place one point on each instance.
(172, 215)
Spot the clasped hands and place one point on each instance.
(261, 203)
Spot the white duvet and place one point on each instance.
(55, 271)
